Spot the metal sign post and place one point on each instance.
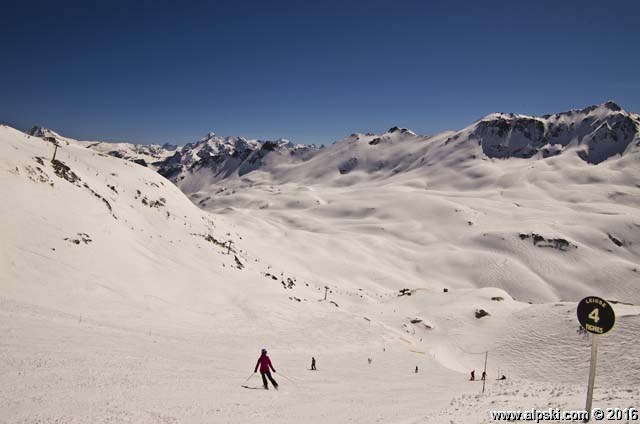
(597, 317)
(592, 371)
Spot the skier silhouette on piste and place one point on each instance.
(265, 363)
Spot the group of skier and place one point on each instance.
(265, 366)
(484, 376)
(473, 375)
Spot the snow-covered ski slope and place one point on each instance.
(121, 304)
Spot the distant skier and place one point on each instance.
(265, 363)
(416, 371)
(473, 375)
(369, 360)
(504, 377)
(484, 375)
(313, 363)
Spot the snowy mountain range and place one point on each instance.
(141, 292)
(595, 134)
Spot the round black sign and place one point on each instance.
(596, 315)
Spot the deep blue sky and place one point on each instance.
(311, 71)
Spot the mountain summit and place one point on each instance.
(220, 157)
(597, 132)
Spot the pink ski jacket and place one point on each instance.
(265, 364)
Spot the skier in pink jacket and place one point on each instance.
(265, 363)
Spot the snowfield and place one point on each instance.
(126, 298)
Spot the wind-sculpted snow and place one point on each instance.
(427, 211)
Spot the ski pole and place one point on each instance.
(250, 375)
(286, 377)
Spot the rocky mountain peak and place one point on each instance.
(42, 132)
(598, 131)
(399, 130)
(611, 105)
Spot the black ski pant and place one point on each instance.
(264, 379)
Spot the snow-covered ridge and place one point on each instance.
(142, 154)
(106, 204)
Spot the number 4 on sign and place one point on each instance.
(593, 316)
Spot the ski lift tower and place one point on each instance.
(56, 145)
